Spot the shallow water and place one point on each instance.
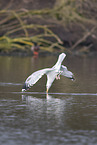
(67, 115)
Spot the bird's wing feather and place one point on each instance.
(33, 78)
(59, 61)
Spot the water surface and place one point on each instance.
(67, 115)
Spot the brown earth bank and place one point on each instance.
(71, 24)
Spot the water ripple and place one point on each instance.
(9, 84)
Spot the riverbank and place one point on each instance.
(54, 26)
(45, 53)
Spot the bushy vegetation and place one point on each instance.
(22, 28)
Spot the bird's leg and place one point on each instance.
(47, 91)
(56, 77)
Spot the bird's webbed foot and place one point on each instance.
(58, 76)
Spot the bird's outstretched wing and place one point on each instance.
(33, 78)
(59, 61)
(66, 72)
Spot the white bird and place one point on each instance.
(51, 73)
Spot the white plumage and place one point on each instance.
(51, 73)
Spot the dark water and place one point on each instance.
(67, 115)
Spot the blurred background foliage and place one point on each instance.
(55, 26)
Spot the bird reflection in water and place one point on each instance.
(47, 106)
